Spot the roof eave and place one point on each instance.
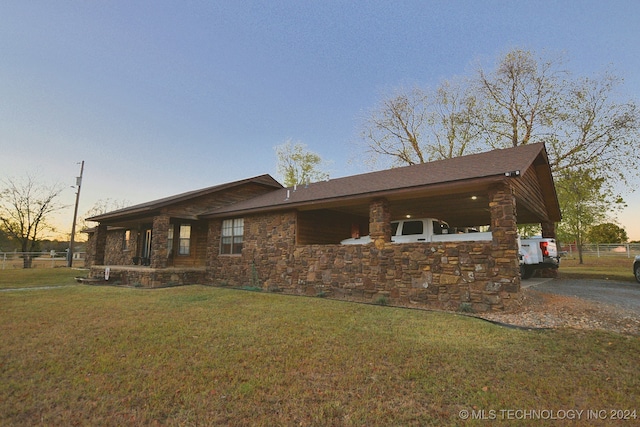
(153, 206)
(407, 191)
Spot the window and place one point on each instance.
(232, 236)
(126, 239)
(440, 228)
(185, 239)
(170, 239)
(394, 227)
(412, 227)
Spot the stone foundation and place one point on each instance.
(147, 277)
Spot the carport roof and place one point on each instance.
(430, 183)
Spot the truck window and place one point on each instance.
(412, 227)
(440, 228)
(394, 228)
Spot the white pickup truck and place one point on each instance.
(535, 253)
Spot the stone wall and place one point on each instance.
(471, 276)
(114, 253)
(451, 276)
(267, 249)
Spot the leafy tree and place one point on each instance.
(583, 204)
(608, 233)
(526, 231)
(297, 165)
(6, 243)
(24, 209)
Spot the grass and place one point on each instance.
(607, 268)
(35, 277)
(90, 355)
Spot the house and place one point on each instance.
(256, 232)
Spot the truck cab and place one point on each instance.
(417, 230)
(422, 230)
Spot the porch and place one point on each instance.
(159, 241)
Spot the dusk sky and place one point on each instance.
(162, 97)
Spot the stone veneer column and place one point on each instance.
(502, 204)
(159, 236)
(100, 244)
(379, 222)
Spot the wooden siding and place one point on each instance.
(529, 194)
(198, 249)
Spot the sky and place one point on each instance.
(162, 97)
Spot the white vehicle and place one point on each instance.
(422, 230)
(535, 253)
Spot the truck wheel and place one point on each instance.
(636, 272)
(526, 272)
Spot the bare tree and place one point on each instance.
(522, 97)
(581, 120)
(454, 112)
(394, 130)
(418, 125)
(25, 207)
(584, 122)
(596, 129)
(100, 207)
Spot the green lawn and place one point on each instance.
(35, 277)
(608, 268)
(195, 355)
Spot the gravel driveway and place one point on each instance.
(623, 294)
(575, 303)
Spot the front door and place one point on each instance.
(146, 247)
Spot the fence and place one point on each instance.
(628, 250)
(39, 259)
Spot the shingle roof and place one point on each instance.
(141, 208)
(464, 168)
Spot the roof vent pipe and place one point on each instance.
(288, 194)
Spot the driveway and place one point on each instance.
(625, 295)
(575, 303)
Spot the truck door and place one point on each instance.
(412, 231)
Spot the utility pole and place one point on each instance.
(75, 216)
